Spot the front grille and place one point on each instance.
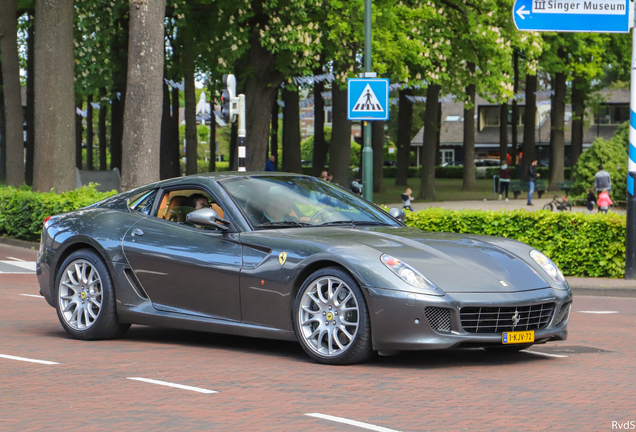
(487, 319)
(563, 313)
(438, 319)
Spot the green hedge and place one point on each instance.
(23, 211)
(580, 244)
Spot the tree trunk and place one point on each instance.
(120, 48)
(515, 109)
(529, 122)
(557, 132)
(12, 97)
(54, 97)
(101, 129)
(175, 144)
(261, 88)
(427, 153)
(377, 142)
(3, 143)
(503, 133)
(142, 118)
(212, 164)
(79, 138)
(291, 132)
(89, 133)
(340, 147)
(438, 140)
(165, 146)
(274, 138)
(405, 124)
(30, 108)
(191, 135)
(469, 183)
(320, 147)
(578, 111)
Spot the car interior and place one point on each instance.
(176, 204)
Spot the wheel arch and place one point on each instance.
(78, 243)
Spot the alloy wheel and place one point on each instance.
(329, 316)
(80, 295)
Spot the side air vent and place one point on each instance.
(134, 282)
(564, 313)
(438, 319)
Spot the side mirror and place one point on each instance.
(207, 217)
(398, 214)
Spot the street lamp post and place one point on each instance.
(367, 151)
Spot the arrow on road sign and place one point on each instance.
(521, 12)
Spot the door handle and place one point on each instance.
(137, 232)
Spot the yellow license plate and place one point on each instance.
(517, 337)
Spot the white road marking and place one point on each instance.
(16, 259)
(27, 359)
(29, 273)
(31, 295)
(599, 312)
(168, 384)
(351, 422)
(27, 265)
(545, 354)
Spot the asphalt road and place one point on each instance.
(243, 384)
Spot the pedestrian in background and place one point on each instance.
(532, 179)
(602, 180)
(269, 165)
(406, 199)
(504, 180)
(591, 199)
(604, 201)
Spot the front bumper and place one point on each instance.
(398, 319)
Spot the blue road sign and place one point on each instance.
(606, 16)
(368, 99)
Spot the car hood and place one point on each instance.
(454, 262)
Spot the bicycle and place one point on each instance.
(557, 204)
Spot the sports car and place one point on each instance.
(291, 257)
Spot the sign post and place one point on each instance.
(367, 151)
(233, 107)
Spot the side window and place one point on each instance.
(143, 202)
(176, 204)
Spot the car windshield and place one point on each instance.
(271, 202)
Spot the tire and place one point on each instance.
(508, 349)
(85, 298)
(567, 207)
(548, 206)
(344, 338)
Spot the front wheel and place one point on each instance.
(331, 319)
(566, 207)
(548, 206)
(86, 299)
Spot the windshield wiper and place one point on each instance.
(353, 223)
(283, 224)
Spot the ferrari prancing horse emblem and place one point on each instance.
(282, 257)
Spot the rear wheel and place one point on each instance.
(331, 319)
(548, 206)
(567, 207)
(86, 299)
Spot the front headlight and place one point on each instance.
(408, 274)
(550, 268)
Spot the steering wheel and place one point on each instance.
(320, 213)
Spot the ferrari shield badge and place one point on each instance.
(282, 257)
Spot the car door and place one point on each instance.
(186, 269)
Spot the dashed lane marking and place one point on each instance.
(544, 354)
(17, 267)
(351, 422)
(168, 384)
(599, 312)
(16, 259)
(31, 295)
(24, 359)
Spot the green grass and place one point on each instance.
(445, 189)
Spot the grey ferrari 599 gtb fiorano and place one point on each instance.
(291, 257)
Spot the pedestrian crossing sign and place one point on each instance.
(368, 99)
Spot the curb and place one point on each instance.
(605, 292)
(20, 243)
